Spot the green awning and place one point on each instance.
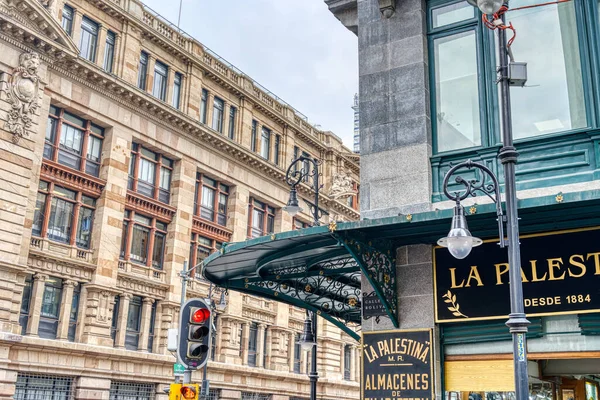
(320, 268)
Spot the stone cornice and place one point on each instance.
(211, 229)
(148, 206)
(63, 175)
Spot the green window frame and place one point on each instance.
(586, 17)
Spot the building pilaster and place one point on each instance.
(245, 342)
(65, 309)
(269, 348)
(124, 300)
(290, 351)
(260, 345)
(157, 328)
(81, 313)
(150, 76)
(226, 111)
(101, 47)
(35, 307)
(77, 19)
(145, 325)
(171, 87)
(210, 102)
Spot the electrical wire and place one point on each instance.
(539, 5)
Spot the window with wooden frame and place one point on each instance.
(299, 224)
(211, 198)
(143, 240)
(200, 248)
(159, 88)
(89, 39)
(217, 117)
(63, 215)
(261, 219)
(73, 142)
(150, 174)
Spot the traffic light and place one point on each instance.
(195, 328)
(186, 391)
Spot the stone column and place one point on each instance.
(352, 364)
(122, 321)
(226, 111)
(77, 18)
(219, 338)
(268, 349)
(35, 306)
(101, 47)
(145, 325)
(291, 343)
(171, 86)
(157, 328)
(210, 101)
(245, 342)
(65, 309)
(260, 348)
(150, 76)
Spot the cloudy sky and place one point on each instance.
(296, 49)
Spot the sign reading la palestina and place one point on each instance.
(397, 365)
(560, 273)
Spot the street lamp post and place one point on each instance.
(460, 241)
(294, 177)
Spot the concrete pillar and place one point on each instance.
(35, 306)
(245, 342)
(124, 300)
(395, 126)
(260, 348)
(145, 325)
(65, 309)
(101, 47)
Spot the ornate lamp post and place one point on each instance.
(297, 173)
(460, 241)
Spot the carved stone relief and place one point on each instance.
(342, 185)
(23, 94)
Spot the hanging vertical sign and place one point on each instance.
(397, 365)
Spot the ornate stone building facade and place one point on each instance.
(127, 148)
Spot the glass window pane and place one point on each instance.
(142, 220)
(158, 251)
(452, 13)
(161, 226)
(89, 38)
(124, 238)
(38, 216)
(217, 122)
(134, 314)
(458, 124)
(84, 227)
(208, 197)
(553, 99)
(51, 300)
(139, 244)
(109, 51)
(165, 178)
(59, 224)
(67, 19)
(203, 106)
(146, 171)
(143, 70)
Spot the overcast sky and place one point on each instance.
(296, 49)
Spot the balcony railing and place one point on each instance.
(142, 271)
(64, 250)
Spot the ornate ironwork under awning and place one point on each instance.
(320, 268)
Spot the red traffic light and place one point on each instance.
(200, 316)
(188, 392)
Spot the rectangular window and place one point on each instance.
(44, 387)
(217, 117)
(143, 70)
(456, 77)
(201, 247)
(115, 319)
(347, 361)
(253, 138)
(232, 113)
(297, 354)
(159, 90)
(203, 103)
(252, 344)
(265, 143)
(152, 327)
(74, 313)
(25, 302)
(109, 51)
(452, 13)
(66, 138)
(144, 240)
(211, 199)
(261, 219)
(89, 39)
(150, 174)
(132, 391)
(177, 90)
(255, 396)
(54, 216)
(134, 320)
(276, 149)
(67, 19)
(50, 308)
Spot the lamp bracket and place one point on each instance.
(474, 186)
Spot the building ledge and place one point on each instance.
(346, 11)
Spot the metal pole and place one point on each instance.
(316, 188)
(179, 18)
(187, 374)
(313, 375)
(204, 370)
(517, 321)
